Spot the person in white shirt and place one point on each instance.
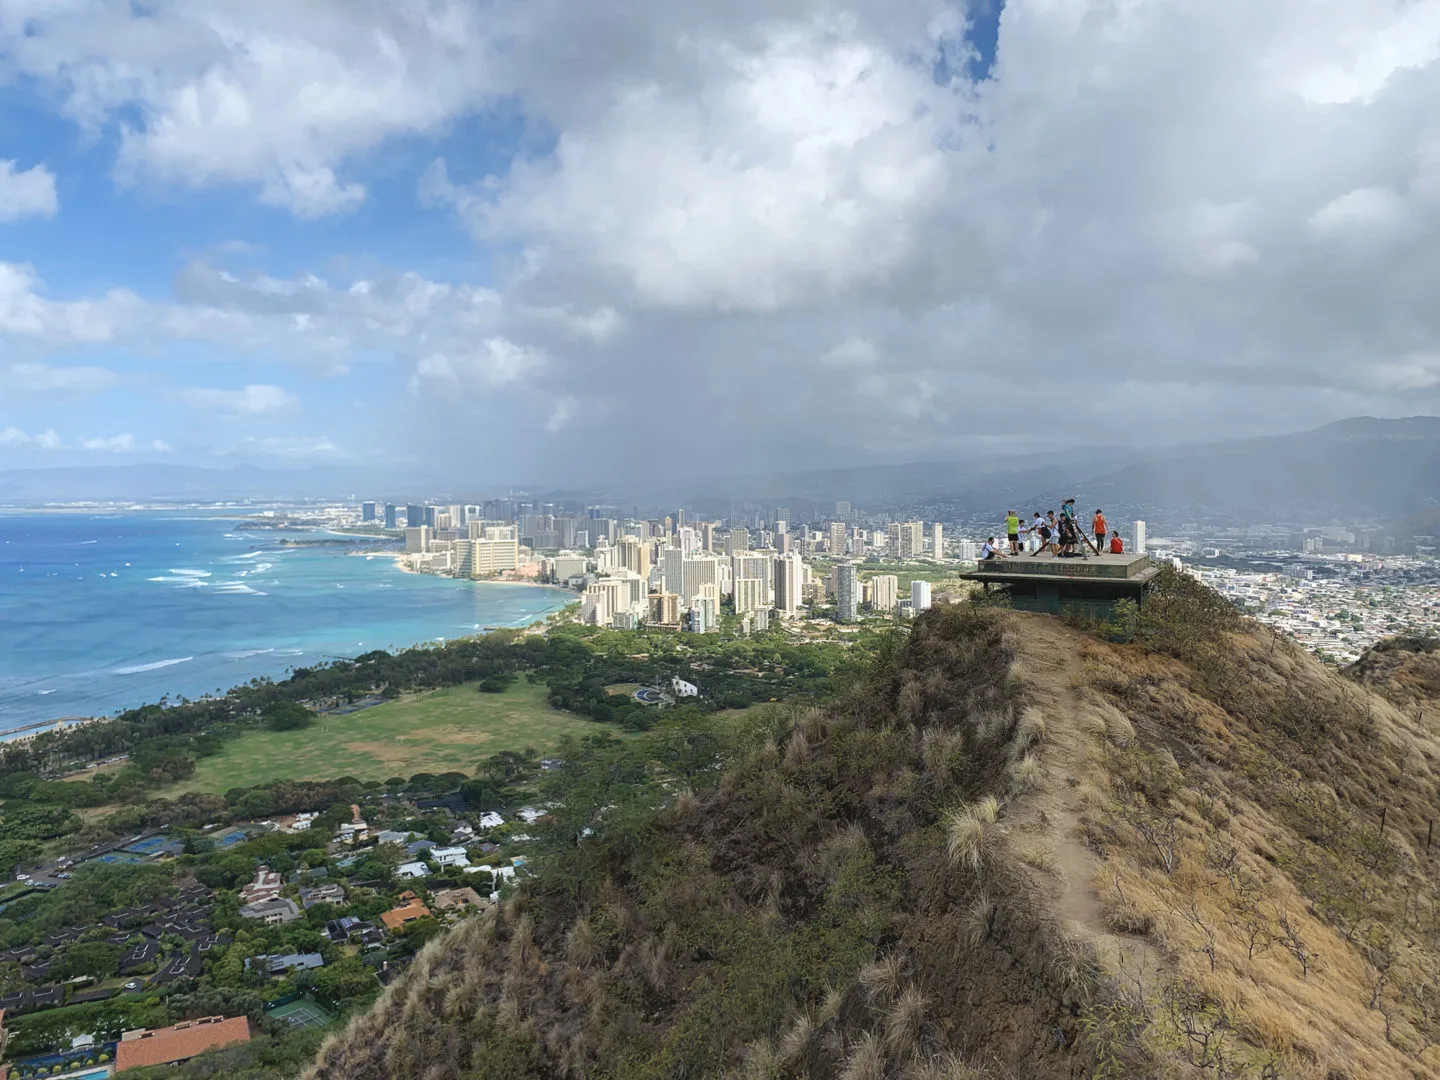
(989, 551)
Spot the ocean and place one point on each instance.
(102, 612)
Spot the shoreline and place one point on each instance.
(32, 729)
(399, 564)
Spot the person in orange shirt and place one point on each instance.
(1117, 546)
(1100, 530)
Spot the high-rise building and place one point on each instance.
(633, 554)
(664, 608)
(390, 522)
(967, 550)
(762, 619)
(892, 539)
(672, 566)
(595, 606)
(847, 593)
(703, 615)
(414, 516)
(937, 541)
(919, 596)
(911, 540)
(367, 511)
(751, 594)
(782, 542)
(782, 525)
(417, 540)
(687, 540)
(885, 592)
(836, 538)
(789, 583)
(1137, 544)
(696, 573)
(430, 517)
(737, 541)
(457, 515)
(842, 508)
(707, 536)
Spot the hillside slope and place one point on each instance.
(1011, 851)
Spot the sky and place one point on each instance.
(546, 240)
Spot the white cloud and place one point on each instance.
(295, 447)
(114, 444)
(852, 353)
(251, 400)
(1171, 218)
(1364, 210)
(160, 446)
(13, 436)
(38, 378)
(561, 415)
(496, 362)
(273, 95)
(26, 193)
(48, 440)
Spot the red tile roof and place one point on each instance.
(181, 1042)
(414, 908)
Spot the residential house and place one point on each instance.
(266, 886)
(272, 912)
(452, 899)
(412, 870)
(392, 836)
(329, 893)
(352, 832)
(183, 1041)
(450, 856)
(279, 964)
(490, 820)
(345, 927)
(411, 908)
(529, 815)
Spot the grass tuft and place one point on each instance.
(967, 831)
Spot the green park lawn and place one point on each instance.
(438, 731)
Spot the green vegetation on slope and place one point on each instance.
(1014, 850)
(784, 899)
(437, 731)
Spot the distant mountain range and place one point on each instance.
(1362, 468)
(1352, 469)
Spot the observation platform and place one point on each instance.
(1088, 586)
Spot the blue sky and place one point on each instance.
(552, 241)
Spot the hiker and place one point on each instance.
(1036, 540)
(1046, 531)
(1067, 536)
(1117, 546)
(1099, 527)
(988, 551)
(1012, 530)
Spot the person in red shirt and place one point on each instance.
(1100, 530)
(1117, 546)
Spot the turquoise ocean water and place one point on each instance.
(100, 612)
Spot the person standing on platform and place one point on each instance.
(1099, 524)
(1012, 531)
(1047, 530)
